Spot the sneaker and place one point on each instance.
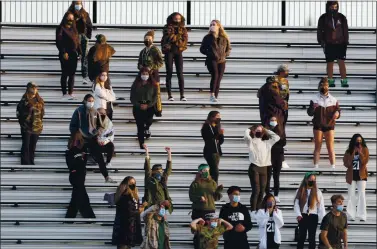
(277, 199)
(252, 215)
(344, 82)
(66, 97)
(108, 165)
(213, 99)
(147, 134)
(363, 220)
(183, 99)
(162, 82)
(86, 80)
(316, 166)
(72, 97)
(171, 98)
(285, 165)
(109, 180)
(331, 82)
(333, 167)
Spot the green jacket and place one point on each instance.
(143, 94)
(207, 188)
(157, 191)
(151, 58)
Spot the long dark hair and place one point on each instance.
(210, 116)
(123, 189)
(351, 146)
(302, 194)
(169, 20)
(264, 202)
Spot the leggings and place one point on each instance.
(258, 180)
(84, 57)
(274, 170)
(144, 121)
(96, 153)
(178, 60)
(68, 68)
(217, 71)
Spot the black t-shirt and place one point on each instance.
(335, 226)
(270, 229)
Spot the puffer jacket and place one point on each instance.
(216, 49)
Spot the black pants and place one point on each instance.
(79, 199)
(144, 120)
(108, 149)
(96, 153)
(109, 110)
(178, 61)
(274, 170)
(217, 71)
(213, 161)
(308, 224)
(285, 117)
(196, 214)
(68, 68)
(29, 143)
(258, 180)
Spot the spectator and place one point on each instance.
(99, 57)
(213, 136)
(309, 208)
(236, 214)
(68, 44)
(157, 235)
(259, 142)
(270, 220)
(156, 181)
(76, 161)
(85, 119)
(104, 95)
(151, 57)
(209, 230)
(355, 160)
(277, 157)
(216, 47)
(105, 136)
(282, 74)
(332, 35)
(84, 29)
(325, 110)
(30, 112)
(143, 98)
(173, 43)
(127, 223)
(334, 226)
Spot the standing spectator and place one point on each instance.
(277, 157)
(238, 215)
(99, 57)
(156, 181)
(68, 44)
(85, 119)
(143, 98)
(76, 161)
(216, 47)
(157, 235)
(208, 230)
(355, 160)
(325, 110)
(309, 208)
(84, 28)
(30, 112)
(151, 58)
(334, 226)
(127, 223)
(104, 95)
(105, 136)
(270, 220)
(213, 136)
(259, 142)
(173, 43)
(332, 35)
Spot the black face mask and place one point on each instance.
(218, 120)
(258, 134)
(132, 186)
(311, 183)
(103, 117)
(175, 22)
(147, 43)
(357, 144)
(322, 90)
(333, 11)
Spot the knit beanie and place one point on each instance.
(150, 33)
(101, 38)
(203, 166)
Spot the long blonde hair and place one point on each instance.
(222, 32)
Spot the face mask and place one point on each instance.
(148, 43)
(78, 7)
(322, 90)
(213, 224)
(258, 134)
(339, 208)
(70, 22)
(213, 28)
(286, 75)
(217, 120)
(89, 105)
(236, 198)
(162, 212)
(103, 78)
(273, 123)
(333, 11)
(204, 174)
(357, 144)
(103, 117)
(144, 77)
(175, 22)
(157, 176)
(132, 186)
(311, 183)
(270, 204)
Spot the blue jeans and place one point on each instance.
(84, 59)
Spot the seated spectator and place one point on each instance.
(334, 226)
(157, 235)
(143, 98)
(208, 230)
(85, 120)
(76, 161)
(270, 220)
(106, 135)
(238, 215)
(30, 112)
(156, 180)
(104, 95)
(355, 160)
(127, 223)
(325, 110)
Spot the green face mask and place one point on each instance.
(70, 23)
(205, 174)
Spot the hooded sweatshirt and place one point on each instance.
(207, 188)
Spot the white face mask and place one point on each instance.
(103, 78)
(213, 28)
(144, 77)
(273, 123)
(78, 7)
(89, 105)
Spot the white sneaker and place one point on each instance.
(285, 165)
(333, 167)
(171, 99)
(86, 80)
(316, 166)
(72, 97)
(183, 99)
(213, 99)
(108, 165)
(66, 97)
(277, 199)
(162, 82)
(110, 180)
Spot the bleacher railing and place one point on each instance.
(360, 14)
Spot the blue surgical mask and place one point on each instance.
(270, 204)
(213, 224)
(158, 176)
(339, 208)
(162, 212)
(236, 198)
(78, 7)
(273, 123)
